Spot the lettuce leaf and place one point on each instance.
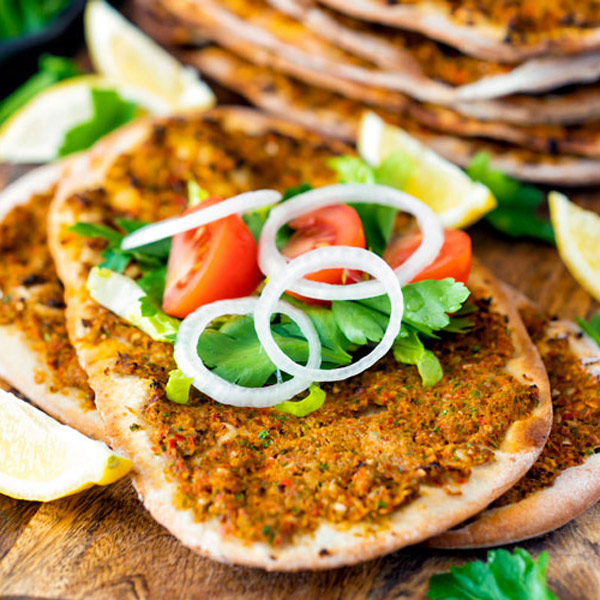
(178, 387)
(124, 297)
(300, 408)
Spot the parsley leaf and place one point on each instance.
(237, 355)
(52, 69)
(516, 214)
(255, 219)
(95, 230)
(394, 171)
(296, 190)
(358, 323)
(150, 259)
(27, 16)
(110, 111)
(427, 303)
(592, 328)
(506, 576)
(409, 349)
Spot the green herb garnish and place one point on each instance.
(52, 69)
(301, 408)
(518, 204)
(394, 171)
(22, 17)
(178, 387)
(110, 111)
(151, 259)
(505, 576)
(592, 328)
(235, 353)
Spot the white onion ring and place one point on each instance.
(169, 227)
(271, 261)
(225, 392)
(328, 257)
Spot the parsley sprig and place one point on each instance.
(150, 259)
(234, 351)
(518, 204)
(505, 576)
(592, 328)
(109, 111)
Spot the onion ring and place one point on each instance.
(169, 227)
(271, 261)
(225, 392)
(328, 257)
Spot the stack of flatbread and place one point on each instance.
(483, 459)
(518, 80)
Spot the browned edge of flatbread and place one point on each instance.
(263, 87)
(20, 361)
(576, 106)
(121, 400)
(323, 61)
(484, 39)
(533, 76)
(572, 493)
(262, 91)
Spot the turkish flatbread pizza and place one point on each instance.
(38, 359)
(565, 480)
(383, 464)
(503, 31)
(339, 116)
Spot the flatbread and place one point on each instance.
(335, 115)
(475, 79)
(24, 362)
(254, 30)
(123, 394)
(278, 93)
(472, 31)
(567, 107)
(576, 488)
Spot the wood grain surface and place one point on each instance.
(101, 544)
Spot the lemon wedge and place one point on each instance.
(40, 459)
(453, 196)
(578, 239)
(35, 133)
(120, 51)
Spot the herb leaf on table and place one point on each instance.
(517, 212)
(505, 576)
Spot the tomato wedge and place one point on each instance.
(336, 225)
(214, 262)
(454, 259)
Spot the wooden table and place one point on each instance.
(101, 544)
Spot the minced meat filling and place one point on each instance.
(32, 295)
(268, 476)
(575, 433)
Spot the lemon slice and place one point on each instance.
(120, 51)
(578, 240)
(40, 459)
(444, 187)
(35, 133)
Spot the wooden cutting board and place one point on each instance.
(101, 544)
